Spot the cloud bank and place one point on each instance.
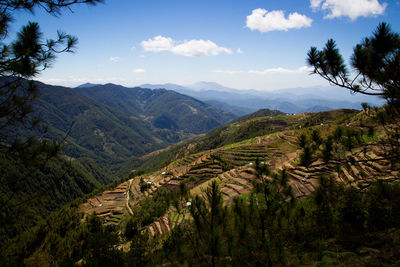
(228, 71)
(139, 71)
(264, 21)
(349, 8)
(278, 70)
(190, 48)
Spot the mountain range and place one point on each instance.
(290, 100)
(111, 123)
(164, 109)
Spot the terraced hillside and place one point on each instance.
(110, 205)
(251, 126)
(232, 166)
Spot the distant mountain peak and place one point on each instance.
(87, 85)
(168, 86)
(205, 83)
(206, 86)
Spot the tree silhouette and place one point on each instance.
(376, 61)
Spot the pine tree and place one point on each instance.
(376, 61)
(21, 60)
(209, 226)
(376, 64)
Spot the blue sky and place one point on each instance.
(244, 44)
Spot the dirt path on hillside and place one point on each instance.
(127, 197)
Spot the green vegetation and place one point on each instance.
(246, 130)
(93, 129)
(260, 231)
(337, 224)
(109, 132)
(30, 193)
(376, 63)
(65, 237)
(150, 209)
(243, 131)
(259, 113)
(165, 109)
(266, 225)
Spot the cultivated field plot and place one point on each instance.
(110, 204)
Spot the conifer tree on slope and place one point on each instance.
(21, 60)
(376, 66)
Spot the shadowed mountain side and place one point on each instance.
(36, 191)
(95, 130)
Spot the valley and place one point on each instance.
(199, 133)
(111, 123)
(232, 166)
(165, 189)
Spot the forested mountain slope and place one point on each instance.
(165, 109)
(29, 192)
(110, 123)
(93, 129)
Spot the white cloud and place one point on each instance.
(142, 56)
(228, 71)
(349, 8)
(279, 70)
(191, 48)
(239, 51)
(157, 44)
(264, 21)
(114, 59)
(315, 4)
(139, 71)
(199, 48)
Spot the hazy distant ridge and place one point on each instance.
(290, 100)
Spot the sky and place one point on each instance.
(242, 44)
